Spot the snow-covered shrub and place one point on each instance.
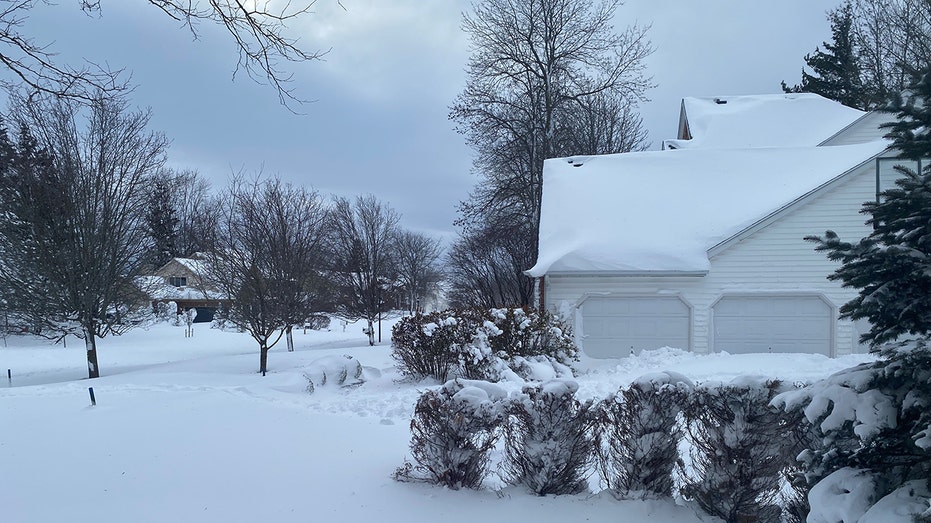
(452, 432)
(740, 447)
(338, 371)
(638, 436)
(166, 311)
(528, 332)
(548, 439)
(486, 345)
(872, 420)
(436, 345)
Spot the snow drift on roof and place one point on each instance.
(773, 120)
(663, 210)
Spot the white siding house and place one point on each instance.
(702, 247)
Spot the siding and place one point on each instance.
(866, 129)
(774, 259)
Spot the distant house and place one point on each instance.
(700, 246)
(181, 280)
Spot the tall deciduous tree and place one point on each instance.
(266, 256)
(415, 265)
(362, 238)
(543, 76)
(73, 230)
(259, 30)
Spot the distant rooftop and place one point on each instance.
(769, 120)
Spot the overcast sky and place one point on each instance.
(379, 123)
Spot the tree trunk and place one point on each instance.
(90, 341)
(263, 358)
(289, 337)
(371, 331)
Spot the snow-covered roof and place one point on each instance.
(158, 289)
(663, 210)
(771, 120)
(195, 265)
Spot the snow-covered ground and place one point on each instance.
(185, 430)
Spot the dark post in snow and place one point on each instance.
(9, 377)
(90, 390)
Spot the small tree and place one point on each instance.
(360, 253)
(267, 250)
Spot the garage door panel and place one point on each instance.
(794, 324)
(613, 326)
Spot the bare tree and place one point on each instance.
(73, 232)
(415, 259)
(258, 28)
(892, 40)
(266, 256)
(361, 245)
(486, 266)
(535, 66)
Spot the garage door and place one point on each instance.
(613, 326)
(748, 324)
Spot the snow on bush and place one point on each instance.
(872, 420)
(488, 345)
(638, 435)
(740, 446)
(341, 371)
(549, 439)
(453, 430)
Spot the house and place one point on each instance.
(181, 280)
(700, 245)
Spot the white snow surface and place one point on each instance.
(185, 430)
(663, 210)
(768, 120)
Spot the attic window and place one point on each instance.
(720, 101)
(177, 281)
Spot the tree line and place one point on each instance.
(88, 207)
(877, 48)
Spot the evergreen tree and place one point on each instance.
(836, 70)
(162, 222)
(873, 420)
(892, 266)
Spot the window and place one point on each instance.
(177, 281)
(886, 173)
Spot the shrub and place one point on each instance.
(476, 344)
(740, 447)
(548, 439)
(452, 432)
(638, 435)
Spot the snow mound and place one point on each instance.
(338, 371)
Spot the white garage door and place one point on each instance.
(748, 324)
(613, 326)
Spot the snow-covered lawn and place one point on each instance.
(184, 430)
